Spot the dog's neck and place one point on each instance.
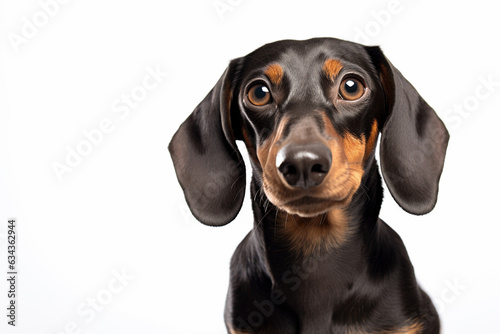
(286, 233)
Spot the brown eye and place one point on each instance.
(351, 89)
(259, 95)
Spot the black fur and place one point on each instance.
(366, 284)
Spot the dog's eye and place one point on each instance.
(259, 95)
(351, 89)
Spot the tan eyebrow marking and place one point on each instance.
(274, 73)
(332, 68)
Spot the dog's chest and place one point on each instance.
(316, 286)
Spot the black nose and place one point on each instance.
(304, 165)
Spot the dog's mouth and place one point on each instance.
(306, 204)
(311, 206)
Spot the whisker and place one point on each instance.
(260, 221)
(237, 180)
(256, 194)
(262, 198)
(365, 188)
(322, 218)
(266, 205)
(242, 189)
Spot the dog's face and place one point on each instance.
(310, 116)
(309, 113)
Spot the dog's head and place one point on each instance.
(309, 113)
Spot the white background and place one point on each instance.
(121, 208)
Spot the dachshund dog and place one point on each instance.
(318, 260)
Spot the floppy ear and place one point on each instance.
(207, 162)
(413, 144)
